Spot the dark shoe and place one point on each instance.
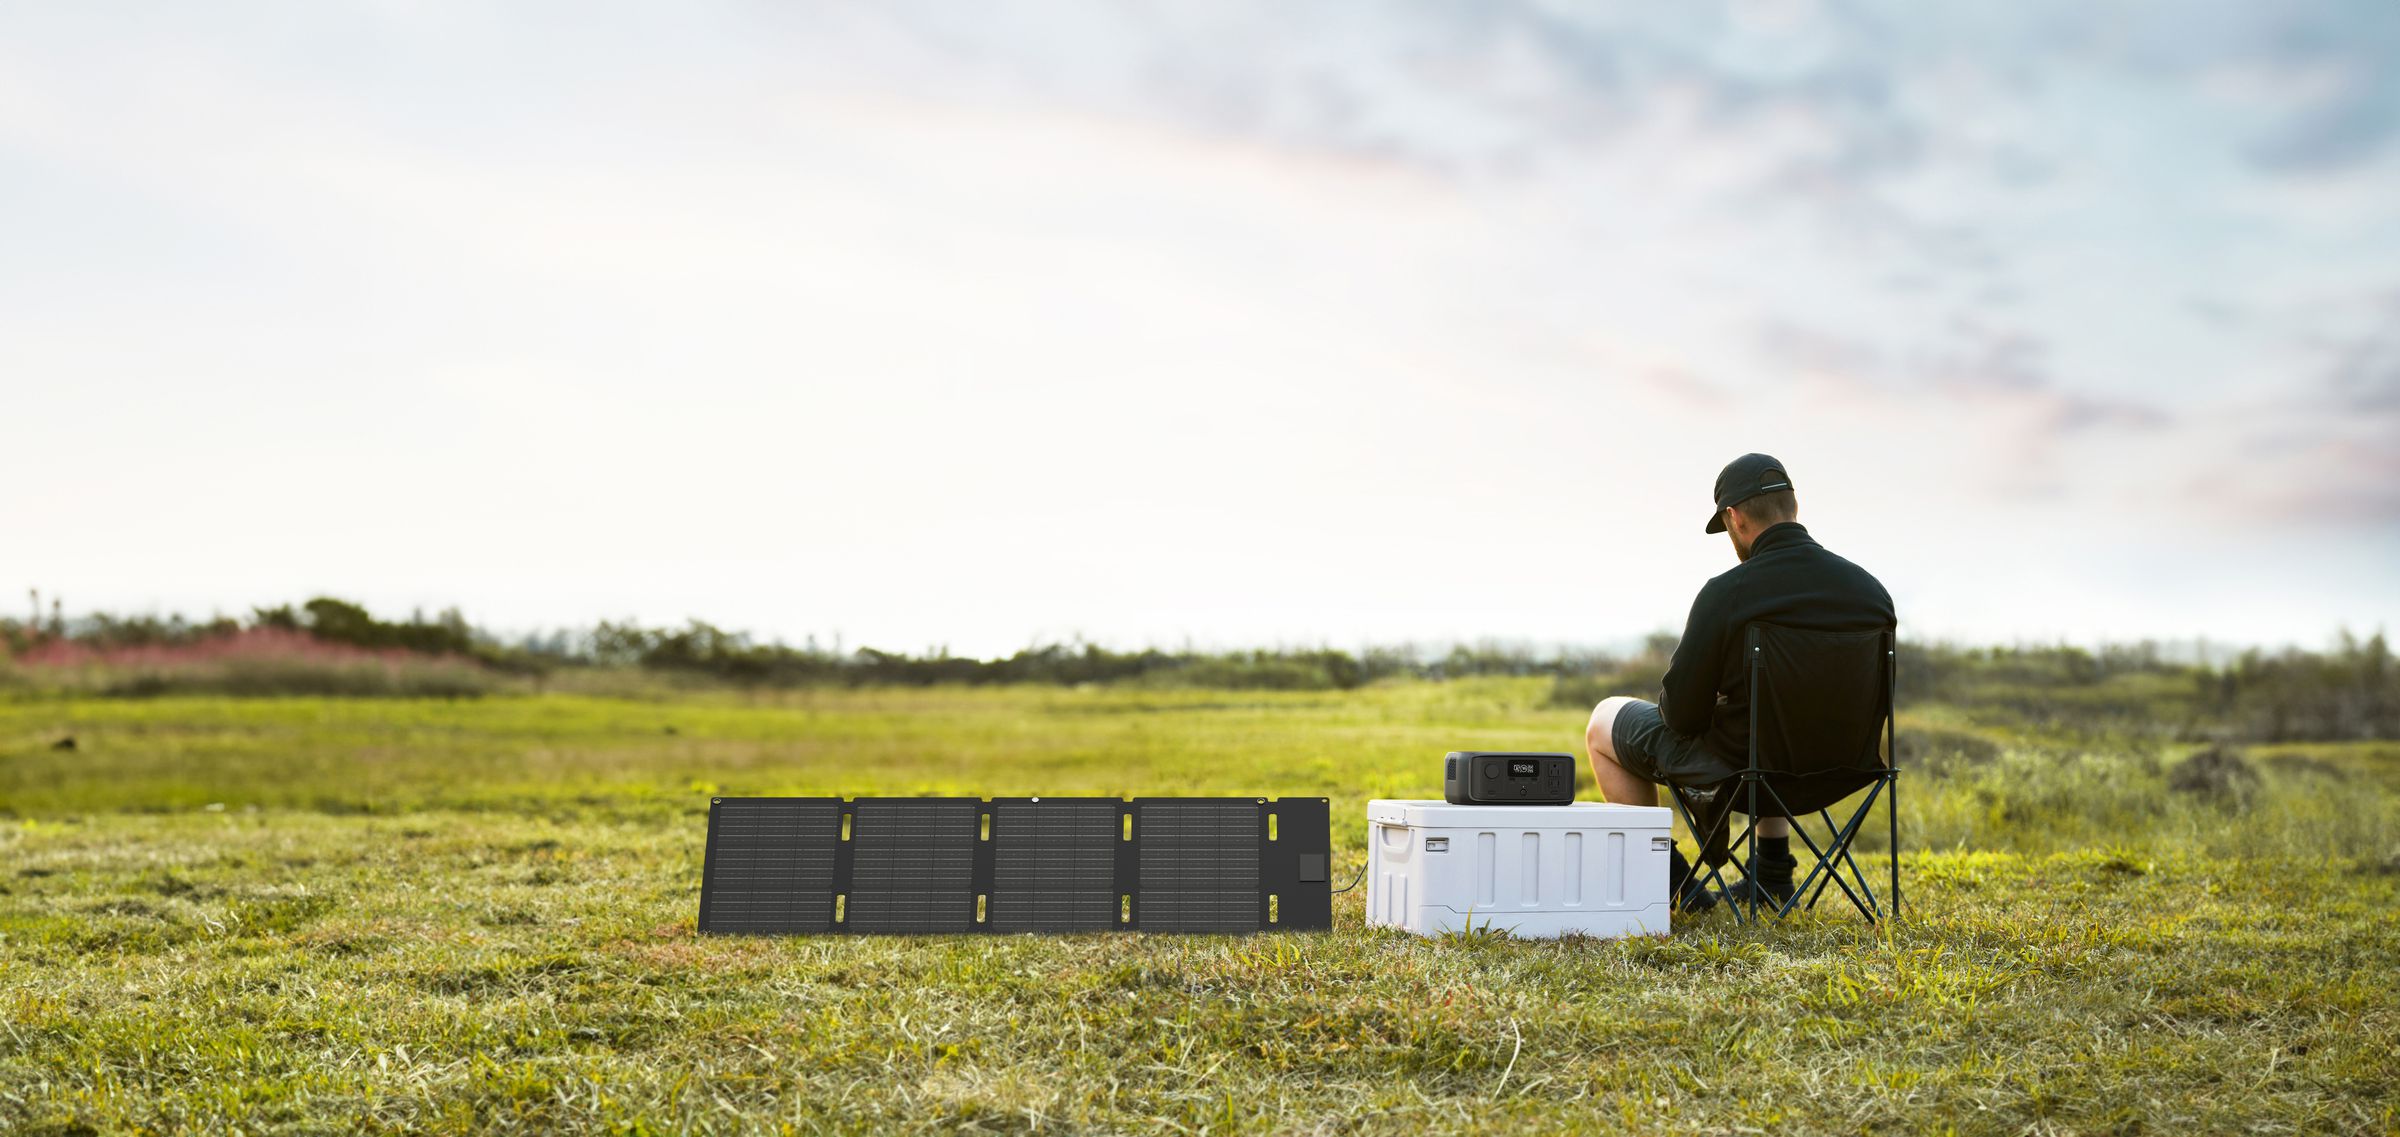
(1773, 886)
(1770, 893)
(1697, 899)
(1684, 889)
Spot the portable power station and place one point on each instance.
(1493, 777)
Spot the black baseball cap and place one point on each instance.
(1744, 478)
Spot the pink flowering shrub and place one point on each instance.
(252, 661)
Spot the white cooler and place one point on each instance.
(1538, 871)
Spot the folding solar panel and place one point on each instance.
(950, 865)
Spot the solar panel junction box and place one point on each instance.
(786, 866)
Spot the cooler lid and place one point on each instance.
(1434, 814)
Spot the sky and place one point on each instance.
(1221, 323)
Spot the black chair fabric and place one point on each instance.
(1824, 703)
(1820, 713)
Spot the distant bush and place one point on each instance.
(703, 649)
(341, 622)
(1942, 752)
(1265, 671)
(2351, 692)
(1584, 682)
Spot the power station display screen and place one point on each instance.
(1525, 768)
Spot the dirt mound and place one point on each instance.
(2219, 773)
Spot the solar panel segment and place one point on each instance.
(770, 865)
(913, 864)
(1055, 865)
(1199, 865)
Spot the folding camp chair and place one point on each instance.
(1818, 702)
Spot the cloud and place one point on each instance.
(1971, 361)
(1981, 356)
(2336, 62)
(1818, 351)
(2322, 451)
(2365, 374)
(1493, 89)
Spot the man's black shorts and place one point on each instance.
(1648, 750)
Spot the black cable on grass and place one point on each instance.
(1362, 875)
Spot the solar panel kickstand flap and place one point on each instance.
(784, 866)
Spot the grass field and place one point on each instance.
(299, 915)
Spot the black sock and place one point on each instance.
(1775, 860)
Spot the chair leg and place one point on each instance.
(1850, 862)
(1827, 858)
(1836, 863)
(1830, 858)
(1823, 881)
(1866, 907)
(1849, 859)
(1699, 839)
(1817, 873)
(1749, 836)
(1750, 874)
(1702, 872)
(1750, 857)
(1891, 809)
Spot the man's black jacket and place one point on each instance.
(1789, 580)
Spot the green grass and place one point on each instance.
(379, 915)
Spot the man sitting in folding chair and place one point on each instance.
(1816, 631)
